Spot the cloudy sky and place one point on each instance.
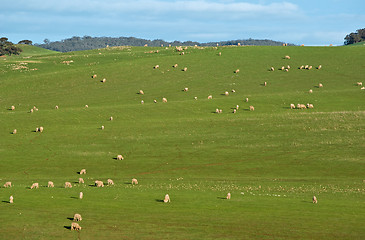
(309, 22)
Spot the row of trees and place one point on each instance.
(86, 43)
(358, 36)
(8, 48)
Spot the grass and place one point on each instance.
(272, 160)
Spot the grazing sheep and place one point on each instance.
(292, 106)
(282, 68)
(246, 99)
(286, 70)
(83, 171)
(288, 67)
(155, 101)
(102, 127)
(272, 69)
(228, 196)
(287, 57)
(265, 84)
(12, 107)
(75, 226)
(196, 98)
(310, 91)
(31, 110)
(34, 185)
(237, 106)
(104, 80)
(111, 118)
(182, 53)
(99, 183)
(134, 181)
(81, 195)
(37, 129)
(77, 217)
(11, 199)
(233, 90)
(217, 110)
(219, 54)
(319, 67)
(185, 69)
(310, 67)
(301, 106)
(81, 180)
(141, 92)
(359, 84)
(210, 97)
(86, 106)
(314, 199)
(175, 66)
(252, 108)
(306, 67)
(234, 110)
(120, 157)
(41, 129)
(226, 93)
(56, 107)
(94, 76)
(157, 66)
(301, 67)
(142, 102)
(238, 44)
(309, 105)
(7, 184)
(237, 71)
(68, 185)
(14, 131)
(50, 184)
(320, 85)
(167, 198)
(110, 182)
(164, 100)
(186, 89)
(362, 88)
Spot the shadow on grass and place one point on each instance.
(159, 200)
(127, 183)
(70, 218)
(223, 198)
(74, 197)
(67, 227)
(78, 172)
(6, 201)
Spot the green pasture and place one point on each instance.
(272, 160)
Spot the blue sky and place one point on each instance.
(309, 22)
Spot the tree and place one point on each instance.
(28, 42)
(352, 38)
(8, 48)
(46, 41)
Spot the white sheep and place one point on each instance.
(292, 106)
(310, 91)
(110, 182)
(282, 68)
(306, 66)
(186, 89)
(102, 127)
(104, 80)
(287, 57)
(41, 129)
(310, 67)
(56, 107)
(228, 196)
(81, 195)
(50, 184)
(210, 97)
(319, 67)
(77, 217)
(175, 66)
(11, 199)
(81, 180)
(83, 171)
(134, 181)
(196, 98)
(68, 185)
(309, 105)
(157, 66)
(14, 131)
(164, 100)
(142, 102)
(141, 92)
(219, 54)
(237, 71)
(12, 107)
(233, 90)
(246, 99)
(320, 85)
(237, 106)
(226, 93)
(99, 183)
(31, 110)
(252, 108)
(111, 118)
(234, 110)
(75, 226)
(34, 185)
(94, 76)
(7, 184)
(86, 106)
(120, 157)
(301, 106)
(272, 69)
(167, 198)
(359, 84)
(265, 84)
(314, 199)
(301, 67)
(185, 69)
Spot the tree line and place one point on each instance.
(87, 43)
(8, 48)
(358, 36)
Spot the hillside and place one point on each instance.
(29, 50)
(272, 160)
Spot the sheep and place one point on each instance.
(210, 97)
(68, 185)
(252, 108)
(306, 67)
(110, 182)
(186, 89)
(157, 66)
(237, 106)
(11, 199)
(182, 53)
(155, 101)
(34, 185)
(265, 84)
(234, 110)
(120, 157)
(310, 67)
(102, 127)
(226, 93)
(196, 98)
(359, 84)
(77, 217)
(81, 180)
(314, 199)
(185, 69)
(310, 91)
(111, 118)
(233, 90)
(141, 92)
(41, 129)
(246, 99)
(164, 100)
(75, 226)
(363, 88)
(319, 67)
(175, 66)
(238, 44)
(83, 171)
(99, 183)
(81, 195)
(37, 129)
(320, 85)
(301, 106)
(167, 198)
(134, 181)
(217, 110)
(237, 71)
(94, 76)
(309, 105)
(14, 131)
(219, 54)
(286, 70)
(288, 67)
(12, 108)
(301, 67)
(272, 69)
(50, 184)
(104, 80)
(7, 184)
(31, 110)
(228, 196)
(292, 106)
(86, 106)
(287, 57)
(282, 68)
(56, 107)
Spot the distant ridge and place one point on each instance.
(88, 43)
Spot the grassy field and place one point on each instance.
(272, 160)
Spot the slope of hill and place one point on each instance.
(272, 160)
(29, 50)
